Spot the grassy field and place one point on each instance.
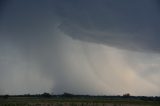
(36, 101)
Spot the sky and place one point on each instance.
(96, 47)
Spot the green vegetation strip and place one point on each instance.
(26, 101)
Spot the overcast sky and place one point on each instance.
(98, 47)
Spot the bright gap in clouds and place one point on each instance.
(80, 68)
(118, 71)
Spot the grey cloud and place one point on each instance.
(37, 49)
(112, 22)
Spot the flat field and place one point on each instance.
(76, 101)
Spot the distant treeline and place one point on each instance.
(69, 95)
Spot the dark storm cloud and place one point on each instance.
(108, 22)
(36, 55)
(31, 47)
(124, 24)
(2, 4)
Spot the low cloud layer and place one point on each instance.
(132, 25)
(100, 47)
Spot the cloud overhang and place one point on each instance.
(79, 46)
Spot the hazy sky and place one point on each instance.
(106, 47)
